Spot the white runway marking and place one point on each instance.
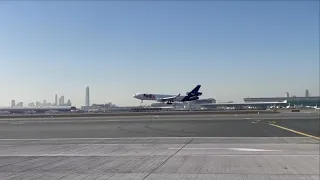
(105, 155)
(197, 148)
(234, 149)
(146, 138)
(120, 138)
(251, 150)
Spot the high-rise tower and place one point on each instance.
(307, 93)
(56, 100)
(13, 103)
(287, 95)
(87, 98)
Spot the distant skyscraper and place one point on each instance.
(56, 100)
(61, 100)
(307, 93)
(69, 102)
(31, 104)
(13, 103)
(38, 104)
(87, 98)
(287, 94)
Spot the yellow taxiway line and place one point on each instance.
(294, 131)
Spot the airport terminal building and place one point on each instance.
(292, 101)
(195, 102)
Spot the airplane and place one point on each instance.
(169, 99)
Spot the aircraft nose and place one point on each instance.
(135, 96)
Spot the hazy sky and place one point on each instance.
(235, 49)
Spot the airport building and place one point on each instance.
(292, 101)
(199, 101)
(307, 100)
(204, 101)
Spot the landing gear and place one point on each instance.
(187, 106)
(172, 103)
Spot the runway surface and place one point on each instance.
(242, 147)
(162, 126)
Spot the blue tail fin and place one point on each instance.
(196, 89)
(193, 95)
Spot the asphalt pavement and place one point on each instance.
(246, 147)
(162, 126)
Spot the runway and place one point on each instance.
(162, 126)
(154, 148)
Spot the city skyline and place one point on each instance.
(305, 93)
(234, 49)
(58, 101)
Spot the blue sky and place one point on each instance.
(235, 49)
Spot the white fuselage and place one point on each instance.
(154, 97)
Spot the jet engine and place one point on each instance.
(159, 100)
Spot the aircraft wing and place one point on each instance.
(168, 99)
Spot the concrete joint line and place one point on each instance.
(168, 159)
